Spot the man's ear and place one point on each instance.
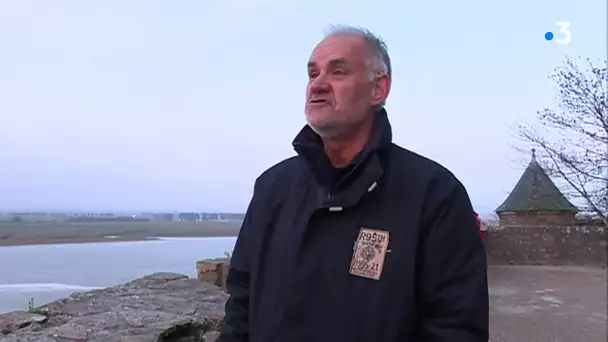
(381, 89)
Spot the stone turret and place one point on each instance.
(536, 201)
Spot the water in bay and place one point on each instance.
(50, 272)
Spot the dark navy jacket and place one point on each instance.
(290, 276)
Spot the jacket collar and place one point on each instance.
(309, 146)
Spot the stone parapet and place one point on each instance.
(547, 245)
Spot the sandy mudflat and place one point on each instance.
(34, 233)
(51, 241)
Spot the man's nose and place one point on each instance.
(319, 84)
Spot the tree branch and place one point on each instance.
(578, 158)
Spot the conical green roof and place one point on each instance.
(535, 192)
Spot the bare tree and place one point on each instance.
(572, 140)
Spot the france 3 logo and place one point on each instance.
(564, 35)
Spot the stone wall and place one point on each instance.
(545, 245)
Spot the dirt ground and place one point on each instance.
(548, 304)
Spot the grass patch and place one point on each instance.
(31, 308)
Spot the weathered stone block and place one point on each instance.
(213, 271)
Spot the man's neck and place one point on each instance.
(343, 149)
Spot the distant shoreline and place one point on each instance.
(26, 234)
(62, 241)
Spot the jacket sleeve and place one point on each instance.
(235, 326)
(453, 286)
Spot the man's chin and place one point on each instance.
(326, 129)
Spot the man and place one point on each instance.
(356, 239)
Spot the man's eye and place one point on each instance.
(339, 72)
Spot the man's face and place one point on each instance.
(340, 93)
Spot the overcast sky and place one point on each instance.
(180, 105)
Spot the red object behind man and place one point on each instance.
(481, 226)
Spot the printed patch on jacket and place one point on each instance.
(369, 253)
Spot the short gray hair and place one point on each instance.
(379, 62)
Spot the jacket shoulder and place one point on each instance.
(279, 173)
(421, 167)
(429, 179)
(432, 183)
